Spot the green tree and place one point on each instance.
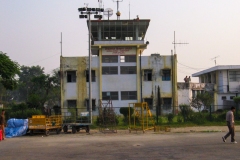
(202, 100)
(43, 87)
(25, 87)
(236, 100)
(8, 71)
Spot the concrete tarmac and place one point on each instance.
(122, 145)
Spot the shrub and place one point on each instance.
(221, 117)
(199, 118)
(179, 119)
(205, 111)
(125, 111)
(18, 107)
(236, 99)
(170, 117)
(219, 111)
(186, 112)
(24, 114)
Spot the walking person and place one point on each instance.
(2, 123)
(230, 124)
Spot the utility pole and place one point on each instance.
(174, 76)
(86, 13)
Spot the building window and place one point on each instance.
(150, 102)
(193, 93)
(147, 75)
(234, 76)
(167, 103)
(231, 97)
(110, 70)
(109, 95)
(129, 95)
(109, 59)
(202, 79)
(166, 74)
(72, 103)
(224, 97)
(214, 78)
(128, 69)
(127, 58)
(93, 75)
(93, 104)
(71, 76)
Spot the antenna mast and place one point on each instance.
(118, 13)
(174, 42)
(61, 43)
(214, 58)
(100, 3)
(129, 10)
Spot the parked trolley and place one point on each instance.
(75, 119)
(46, 124)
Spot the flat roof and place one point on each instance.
(216, 68)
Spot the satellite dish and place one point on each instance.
(108, 12)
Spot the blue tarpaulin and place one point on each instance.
(16, 127)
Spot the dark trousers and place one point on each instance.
(230, 132)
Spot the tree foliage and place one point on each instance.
(35, 88)
(8, 71)
(202, 101)
(236, 99)
(43, 85)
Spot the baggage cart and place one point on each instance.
(75, 119)
(46, 124)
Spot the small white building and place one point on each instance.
(188, 90)
(227, 81)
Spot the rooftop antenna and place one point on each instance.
(100, 3)
(214, 58)
(86, 4)
(61, 43)
(174, 42)
(129, 10)
(118, 13)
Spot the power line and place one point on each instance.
(190, 67)
(43, 59)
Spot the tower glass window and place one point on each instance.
(109, 59)
(109, 70)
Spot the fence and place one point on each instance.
(81, 115)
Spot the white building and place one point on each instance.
(119, 70)
(188, 90)
(227, 83)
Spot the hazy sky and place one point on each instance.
(30, 30)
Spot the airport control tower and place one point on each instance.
(120, 42)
